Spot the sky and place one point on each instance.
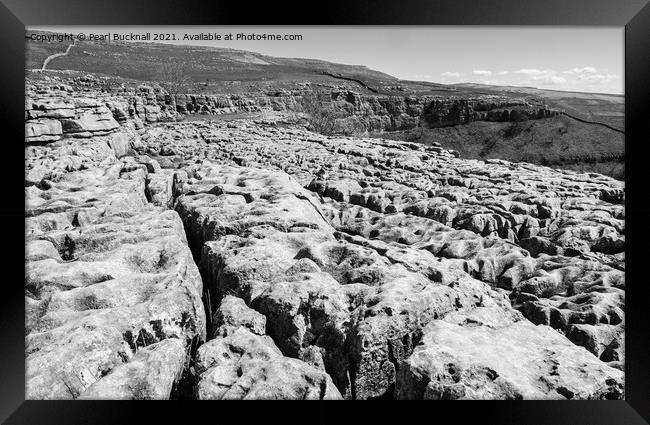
(587, 59)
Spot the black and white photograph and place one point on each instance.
(316, 213)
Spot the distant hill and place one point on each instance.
(597, 107)
(140, 61)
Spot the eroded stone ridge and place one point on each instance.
(151, 103)
(249, 259)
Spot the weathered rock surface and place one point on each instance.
(107, 275)
(483, 360)
(233, 314)
(43, 130)
(149, 375)
(294, 278)
(247, 366)
(328, 267)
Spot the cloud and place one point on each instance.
(539, 77)
(493, 82)
(590, 79)
(580, 78)
(591, 74)
(599, 78)
(550, 80)
(585, 70)
(423, 77)
(529, 71)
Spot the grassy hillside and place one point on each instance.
(597, 107)
(559, 142)
(205, 65)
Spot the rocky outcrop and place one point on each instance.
(52, 117)
(246, 260)
(43, 130)
(354, 111)
(392, 113)
(447, 112)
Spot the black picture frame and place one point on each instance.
(633, 14)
